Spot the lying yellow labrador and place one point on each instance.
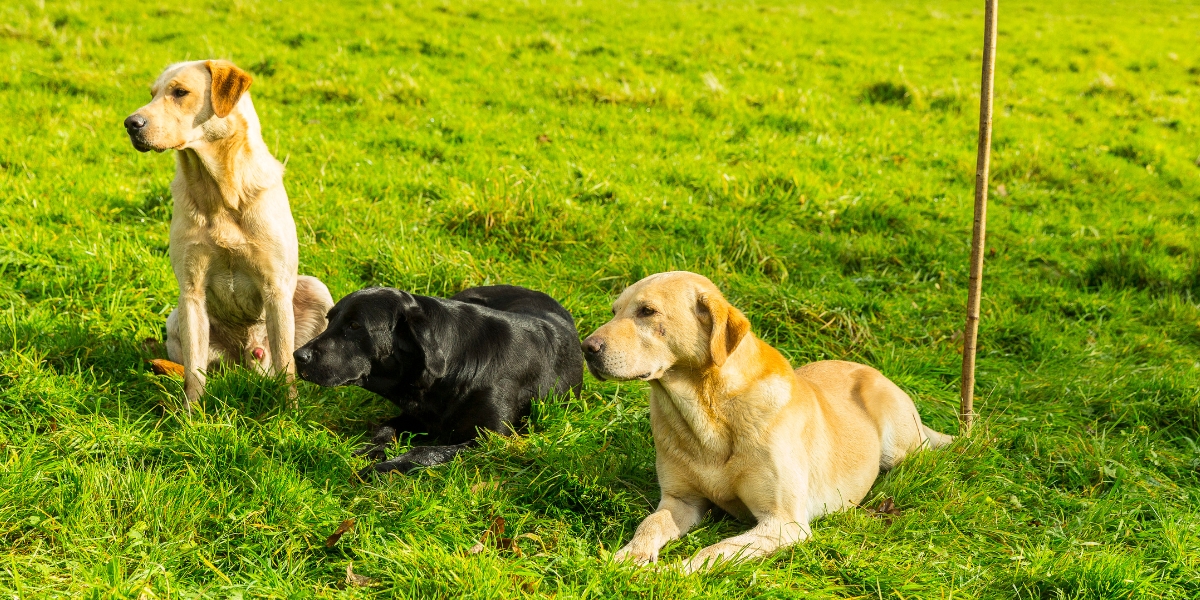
(233, 241)
(735, 427)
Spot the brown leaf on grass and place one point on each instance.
(346, 525)
(162, 366)
(887, 510)
(888, 507)
(496, 529)
(483, 486)
(495, 534)
(355, 580)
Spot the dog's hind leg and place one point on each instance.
(310, 304)
(936, 439)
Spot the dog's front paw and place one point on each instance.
(376, 448)
(699, 563)
(372, 451)
(385, 467)
(709, 557)
(637, 557)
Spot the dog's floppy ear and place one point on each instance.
(729, 325)
(228, 85)
(412, 317)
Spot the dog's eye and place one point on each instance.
(179, 92)
(355, 325)
(647, 311)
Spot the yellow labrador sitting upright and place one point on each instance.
(233, 241)
(735, 427)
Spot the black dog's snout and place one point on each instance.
(593, 345)
(303, 356)
(135, 122)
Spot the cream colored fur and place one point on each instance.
(233, 241)
(735, 427)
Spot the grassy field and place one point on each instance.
(815, 161)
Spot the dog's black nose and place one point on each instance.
(593, 345)
(303, 356)
(135, 122)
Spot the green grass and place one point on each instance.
(816, 162)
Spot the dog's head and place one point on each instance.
(191, 103)
(380, 331)
(664, 321)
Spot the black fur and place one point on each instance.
(454, 366)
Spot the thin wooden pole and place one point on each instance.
(966, 413)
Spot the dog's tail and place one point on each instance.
(936, 439)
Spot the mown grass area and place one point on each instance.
(815, 161)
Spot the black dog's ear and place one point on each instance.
(412, 318)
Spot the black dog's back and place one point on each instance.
(524, 301)
(512, 298)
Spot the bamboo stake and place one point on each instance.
(966, 413)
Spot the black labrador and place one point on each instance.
(453, 366)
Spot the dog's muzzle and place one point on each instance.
(135, 126)
(594, 355)
(303, 357)
(593, 347)
(309, 368)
